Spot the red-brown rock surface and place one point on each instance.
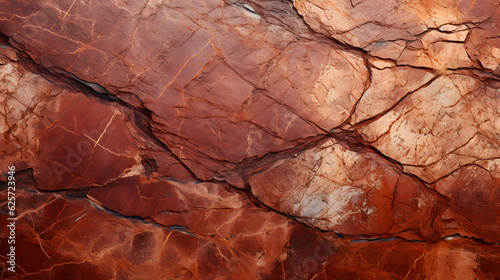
(215, 139)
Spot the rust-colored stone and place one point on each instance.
(304, 139)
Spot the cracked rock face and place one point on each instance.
(215, 139)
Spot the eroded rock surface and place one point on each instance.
(216, 139)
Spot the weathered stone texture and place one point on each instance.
(211, 139)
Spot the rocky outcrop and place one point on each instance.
(251, 140)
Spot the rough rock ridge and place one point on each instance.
(211, 139)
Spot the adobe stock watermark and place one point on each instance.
(37, 21)
(74, 156)
(11, 219)
(309, 265)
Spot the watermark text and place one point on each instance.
(11, 217)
